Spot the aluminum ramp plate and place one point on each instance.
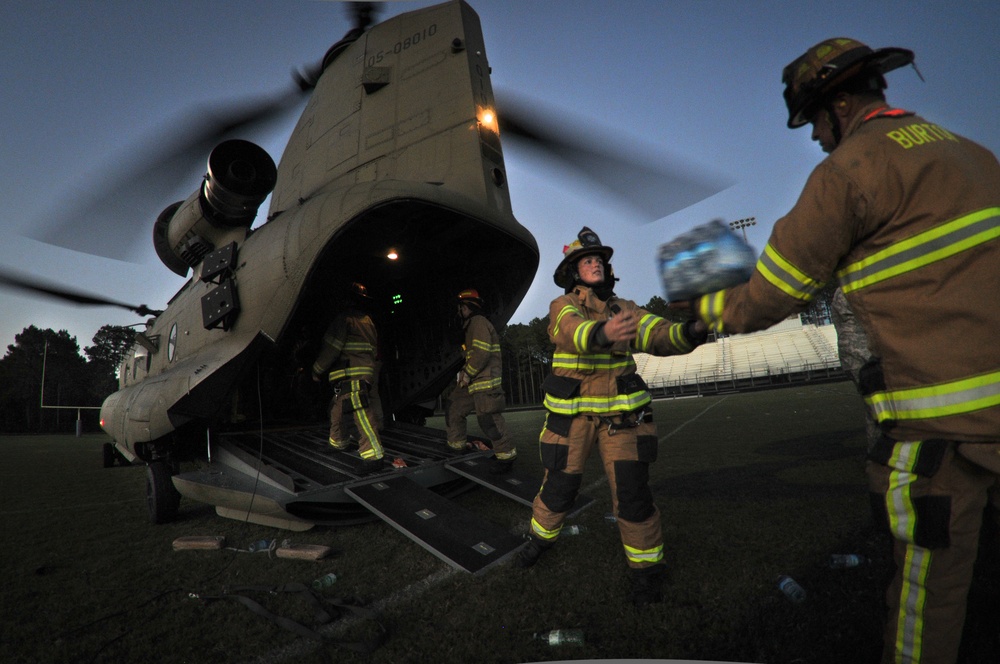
(516, 487)
(452, 533)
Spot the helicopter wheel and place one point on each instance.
(162, 497)
(108, 455)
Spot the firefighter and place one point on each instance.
(478, 386)
(348, 359)
(905, 214)
(595, 398)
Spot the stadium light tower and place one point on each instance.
(741, 224)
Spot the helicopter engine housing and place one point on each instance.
(240, 176)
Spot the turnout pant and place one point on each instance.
(351, 399)
(932, 495)
(487, 406)
(626, 452)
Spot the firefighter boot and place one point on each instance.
(500, 466)
(647, 585)
(368, 466)
(530, 554)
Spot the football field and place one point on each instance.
(750, 486)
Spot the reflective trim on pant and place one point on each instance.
(360, 409)
(934, 517)
(488, 407)
(564, 458)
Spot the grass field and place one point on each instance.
(750, 486)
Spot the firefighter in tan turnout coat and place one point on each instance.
(905, 214)
(348, 358)
(595, 399)
(478, 387)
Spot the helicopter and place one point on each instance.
(393, 175)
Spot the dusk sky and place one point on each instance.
(695, 85)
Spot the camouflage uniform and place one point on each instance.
(852, 346)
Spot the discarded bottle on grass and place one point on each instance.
(792, 589)
(325, 581)
(260, 545)
(840, 560)
(561, 637)
(573, 530)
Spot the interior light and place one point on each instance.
(392, 255)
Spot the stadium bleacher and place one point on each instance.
(786, 352)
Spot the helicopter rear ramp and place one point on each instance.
(293, 479)
(455, 535)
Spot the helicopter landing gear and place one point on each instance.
(111, 456)
(162, 498)
(108, 455)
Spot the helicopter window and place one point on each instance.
(139, 356)
(172, 342)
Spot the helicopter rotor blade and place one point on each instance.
(68, 295)
(107, 222)
(654, 189)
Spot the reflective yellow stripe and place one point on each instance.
(359, 347)
(594, 404)
(485, 345)
(486, 385)
(581, 336)
(912, 600)
(954, 398)
(547, 535)
(903, 524)
(786, 277)
(653, 555)
(931, 246)
(678, 339)
(902, 517)
(591, 361)
(710, 309)
(645, 331)
(351, 372)
(565, 310)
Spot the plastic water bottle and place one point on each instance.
(561, 637)
(573, 530)
(325, 581)
(260, 545)
(792, 589)
(841, 560)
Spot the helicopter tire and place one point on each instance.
(162, 498)
(108, 455)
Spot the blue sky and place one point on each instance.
(692, 84)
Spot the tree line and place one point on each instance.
(70, 379)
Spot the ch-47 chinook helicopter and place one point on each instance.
(397, 151)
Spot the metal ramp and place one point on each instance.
(516, 487)
(455, 535)
(291, 478)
